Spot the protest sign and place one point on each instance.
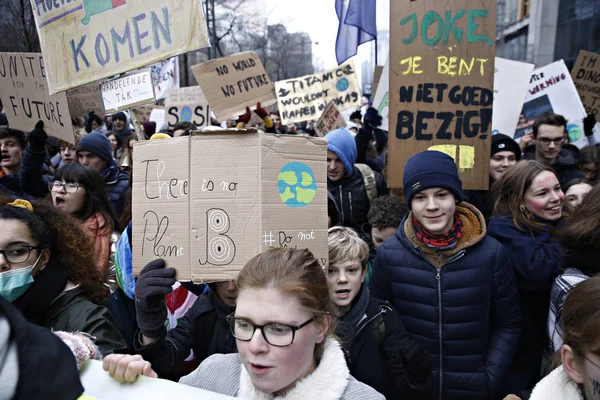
(157, 115)
(85, 41)
(511, 80)
(305, 98)
(230, 84)
(165, 75)
(85, 99)
(187, 104)
(330, 120)
(586, 76)
(25, 97)
(127, 92)
(376, 78)
(207, 214)
(441, 85)
(99, 385)
(551, 88)
(381, 100)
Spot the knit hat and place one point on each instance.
(501, 142)
(120, 115)
(341, 142)
(98, 144)
(431, 169)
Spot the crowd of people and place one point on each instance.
(431, 291)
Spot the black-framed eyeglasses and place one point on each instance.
(546, 141)
(70, 187)
(278, 335)
(18, 253)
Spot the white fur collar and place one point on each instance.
(556, 386)
(327, 382)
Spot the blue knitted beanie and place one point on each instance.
(341, 142)
(98, 144)
(431, 169)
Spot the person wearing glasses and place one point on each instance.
(528, 210)
(578, 374)
(80, 192)
(551, 147)
(47, 272)
(283, 325)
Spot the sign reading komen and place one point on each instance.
(86, 40)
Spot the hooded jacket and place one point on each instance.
(331, 380)
(565, 165)
(34, 363)
(332, 210)
(461, 304)
(204, 329)
(349, 192)
(537, 259)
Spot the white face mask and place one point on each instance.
(15, 282)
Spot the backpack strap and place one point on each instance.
(379, 325)
(369, 180)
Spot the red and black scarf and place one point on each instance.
(446, 241)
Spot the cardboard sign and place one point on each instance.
(165, 75)
(586, 75)
(231, 84)
(551, 88)
(305, 98)
(25, 97)
(330, 120)
(85, 99)
(86, 40)
(511, 80)
(207, 213)
(381, 101)
(376, 78)
(127, 92)
(187, 104)
(441, 85)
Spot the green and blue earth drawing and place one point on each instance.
(297, 184)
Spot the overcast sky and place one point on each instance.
(319, 20)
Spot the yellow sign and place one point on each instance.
(87, 40)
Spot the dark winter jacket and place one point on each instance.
(204, 329)
(117, 186)
(45, 367)
(332, 210)
(465, 311)
(380, 362)
(565, 165)
(537, 258)
(73, 311)
(363, 139)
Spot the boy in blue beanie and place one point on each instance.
(453, 286)
(352, 186)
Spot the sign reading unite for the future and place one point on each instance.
(87, 40)
(441, 84)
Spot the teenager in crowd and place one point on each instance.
(384, 216)
(379, 351)
(283, 326)
(183, 128)
(589, 161)
(121, 155)
(12, 145)
(576, 190)
(49, 273)
(451, 283)
(529, 206)
(80, 192)
(371, 141)
(579, 375)
(121, 127)
(505, 155)
(580, 237)
(204, 328)
(94, 123)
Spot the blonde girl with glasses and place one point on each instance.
(283, 327)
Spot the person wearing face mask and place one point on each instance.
(283, 326)
(49, 275)
(204, 327)
(452, 284)
(529, 207)
(578, 376)
(575, 190)
(580, 237)
(505, 154)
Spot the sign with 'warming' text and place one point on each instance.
(86, 40)
(441, 84)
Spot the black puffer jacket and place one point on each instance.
(204, 329)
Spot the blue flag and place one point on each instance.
(358, 25)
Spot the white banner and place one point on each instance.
(165, 75)
(127, 92)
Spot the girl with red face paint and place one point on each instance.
(528, 208)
